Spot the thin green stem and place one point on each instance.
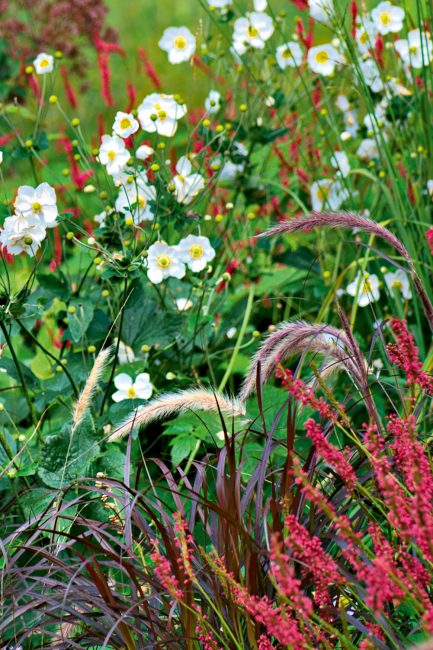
(242, 331)
(20, 372)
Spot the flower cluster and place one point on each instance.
(164, 261)
(405, 354)
(35, 211)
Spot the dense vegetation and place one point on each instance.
(215, 326)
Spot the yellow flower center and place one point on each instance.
(385, 18)
(125, 123)
(363, 39)
(36, 207)
(162, 115)
(413, 49)
(196, 251)
(44, 63)
(397, 284)
(287, 53)
(141, 202)
(367, 287)
(132, 392)
(323, 193)
(322, 57)
(180, 42)
(252, 31)
(163, 261)
(111, 155)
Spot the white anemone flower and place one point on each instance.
(323, 59)
(219, 4)
(366, 287)
(125, 124)
(141, 388)
(398, 280)
(144, 152)
(100, 217)
(183, 304)
(159, 113)
(351, 122)
(365, 34)
(196, 252)
(388, 18)
(179, 43)
(230, 170)
(368, 149)
(39, 202)
(376, 121)
(125, 353)
(113, 154)
(187, 184)
(371, 75)
(340, 162)
(252, 30)
(22, 234)
(163, 262)
(289, 55)
(416, 50)
(212, 103)
(342, 103)
(43, 63)
(327, 194)
(321, 10)
(133, 200)
(231, 333)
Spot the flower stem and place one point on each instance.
(245, 321)
(20, 372)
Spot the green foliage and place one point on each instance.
(68, 455)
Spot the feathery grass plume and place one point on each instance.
(296, 338)
(174, 403)
(347, 220)
(85, 398)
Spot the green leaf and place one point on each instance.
(54, 285)
(279, 279)
(181, 448)
(40, 500)
(10, 367)
(67, 456)
(145, 323)
(273, 399)
(81, 319)
(99, 327)
(112, 462)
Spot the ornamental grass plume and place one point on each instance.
(176, 403)
(84, 401)
(348, 220)
(295, 339)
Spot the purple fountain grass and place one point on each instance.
(297, 338)
(348, 220)
(175, 403)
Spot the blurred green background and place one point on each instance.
(142, 22)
